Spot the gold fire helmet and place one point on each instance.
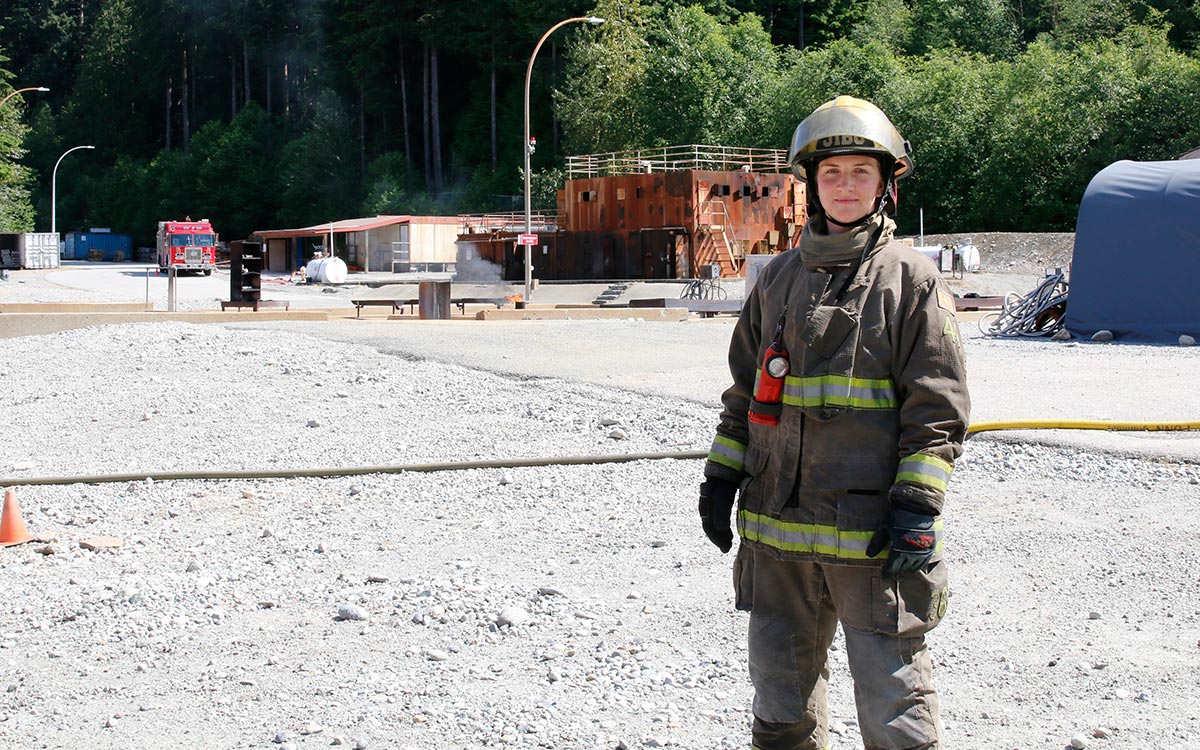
(847, 125)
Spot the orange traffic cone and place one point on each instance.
(12, 526)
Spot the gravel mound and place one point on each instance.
(552, 607)
(1015, 252)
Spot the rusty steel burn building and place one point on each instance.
(679, 212)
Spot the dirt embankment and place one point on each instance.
(1014, 252)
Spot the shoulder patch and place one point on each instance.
(945, 300)
(950, 328)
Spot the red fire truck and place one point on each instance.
(187, 246)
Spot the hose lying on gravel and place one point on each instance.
(1039, 313)
(1082, 424)
(345, 471)
(512, 463)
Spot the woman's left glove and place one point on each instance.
(913, 541)
(717, 498)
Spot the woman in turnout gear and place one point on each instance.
(847, 411)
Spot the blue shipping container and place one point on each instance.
(104, 246)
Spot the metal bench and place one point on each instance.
(412, 302)
(239, 304)
(462, 302)
(395, 304)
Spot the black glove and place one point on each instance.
(717, 497)
(912, 538)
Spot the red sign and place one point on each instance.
(527, 239)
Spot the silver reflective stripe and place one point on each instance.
(839, 390)
(727, 452)
(925, 470)
(803, 537)
(819, 539)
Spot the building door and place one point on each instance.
(659, 250)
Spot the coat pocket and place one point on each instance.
(912, 604)
(827, 329)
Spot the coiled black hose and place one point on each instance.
(1039, 313)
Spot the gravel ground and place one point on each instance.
(562, 606)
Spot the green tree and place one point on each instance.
(120, 195)
(318, 171)
(393, 187)
(981, 26)
(706, 83)
(597, 103)
(236, 172)
(1080, 21)
(1048, 135)
(943, 105)
(885, 22)
(16, 207)
(812, 77)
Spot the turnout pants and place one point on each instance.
(795, 606)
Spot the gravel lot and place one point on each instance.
(555, 607)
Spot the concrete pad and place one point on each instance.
(559, 313)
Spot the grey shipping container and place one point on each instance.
(39, 250)
(102, 246)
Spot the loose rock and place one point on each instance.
(514, 616)
(352, 612)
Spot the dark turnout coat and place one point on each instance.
(876, 396)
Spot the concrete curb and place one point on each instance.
(72, 307)
(35, 324)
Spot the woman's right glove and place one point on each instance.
(717, 498)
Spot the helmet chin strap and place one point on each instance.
(857, 222)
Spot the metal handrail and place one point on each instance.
(712, 208)
(678, 158)
(511, 221)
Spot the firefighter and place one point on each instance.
(847, 411)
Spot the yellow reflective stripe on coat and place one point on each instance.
(839, 390)
(728, 452)
(925, 470)
(790, 536)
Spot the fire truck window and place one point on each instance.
(181, 240)
(204, 239)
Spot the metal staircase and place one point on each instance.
(714, 218)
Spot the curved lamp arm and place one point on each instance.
(594, 20)
(27, 88)
(54, 187)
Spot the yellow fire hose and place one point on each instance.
(508, 463)
(1081, 424)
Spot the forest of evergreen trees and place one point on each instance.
(266, 113)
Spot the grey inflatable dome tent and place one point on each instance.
(1135, 270)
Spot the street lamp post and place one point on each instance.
(27, 88)
(54, 188)
(594, 20)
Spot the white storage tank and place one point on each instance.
(326, 270)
